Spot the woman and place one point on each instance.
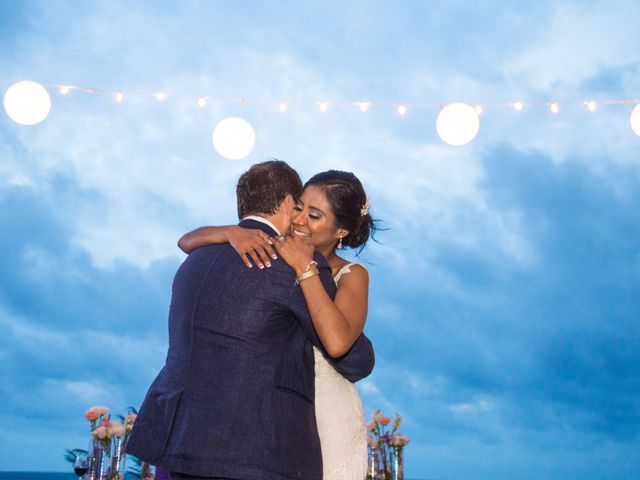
(332, 213)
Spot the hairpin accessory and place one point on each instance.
(365, 208)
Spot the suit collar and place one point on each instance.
(253, 221)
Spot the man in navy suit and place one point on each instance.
(235, 397)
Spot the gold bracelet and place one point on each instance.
(311, 271)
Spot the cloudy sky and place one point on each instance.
(505, 294)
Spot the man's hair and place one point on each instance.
(263, 187)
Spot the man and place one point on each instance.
(235, 397)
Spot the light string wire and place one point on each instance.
(120, 94)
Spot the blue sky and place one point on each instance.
(504, 295)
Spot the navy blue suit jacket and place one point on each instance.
(235, 398)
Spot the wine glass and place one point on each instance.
(80, 465)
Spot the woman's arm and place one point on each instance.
(248, 242)
(338, 322)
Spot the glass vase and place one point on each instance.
(397, 470)
(100, 460)
(117, 469)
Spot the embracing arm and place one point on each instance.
(358, 362)
(248, 242)
(338, 322)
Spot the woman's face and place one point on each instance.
(313, 219)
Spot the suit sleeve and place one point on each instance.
(358, 362)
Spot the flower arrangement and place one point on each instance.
(385, 447)
(108, 439)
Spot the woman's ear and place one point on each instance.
(342, 233)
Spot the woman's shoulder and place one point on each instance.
(357, 271)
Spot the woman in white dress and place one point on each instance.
(332, 213)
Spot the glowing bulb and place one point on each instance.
(457, 124)
(27, 103)
(323, 106)
(64, 89)
(635, 120)
(234, 138)
(478, 109)
(554, 107)
(363, 106)
(591, 105)
(518, 106)
(119, 97)
(202, 102)
(402, 109)
(283, 106)
(160, 96)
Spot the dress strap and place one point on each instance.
(343, 270)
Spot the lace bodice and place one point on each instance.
(340, 419)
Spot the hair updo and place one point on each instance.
(348, 202)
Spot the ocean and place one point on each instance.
(37, 476)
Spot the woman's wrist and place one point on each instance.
(303, 266)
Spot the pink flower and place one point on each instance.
(116, 429)
(100, 432)
(396, 422)
(384, 421)
(91, 415)
(371, 426)
(130, 420)
(95, 412)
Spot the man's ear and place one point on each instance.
(289, 202)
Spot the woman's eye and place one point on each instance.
(315, 217)
(297, 208)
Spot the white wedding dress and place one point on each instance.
(340, 419)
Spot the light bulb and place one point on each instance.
(160, 96)
(282, 107)
(402, 109)
(554, 107)
(635, 120)
(202, 102)
(119, 97)
(591, 105)
(323, 106)
(518, 106)
(363, 106)
(27, 102)
(64, 89)
(457, 124)
(478, 109)
(234, 138)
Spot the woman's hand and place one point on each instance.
(297, 252)
(251, 243)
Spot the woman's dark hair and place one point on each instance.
(263, 187)
(349, 204)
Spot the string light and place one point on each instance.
(33, 107)
(363, 106)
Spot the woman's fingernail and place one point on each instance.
(274, 256)
(268, 264)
